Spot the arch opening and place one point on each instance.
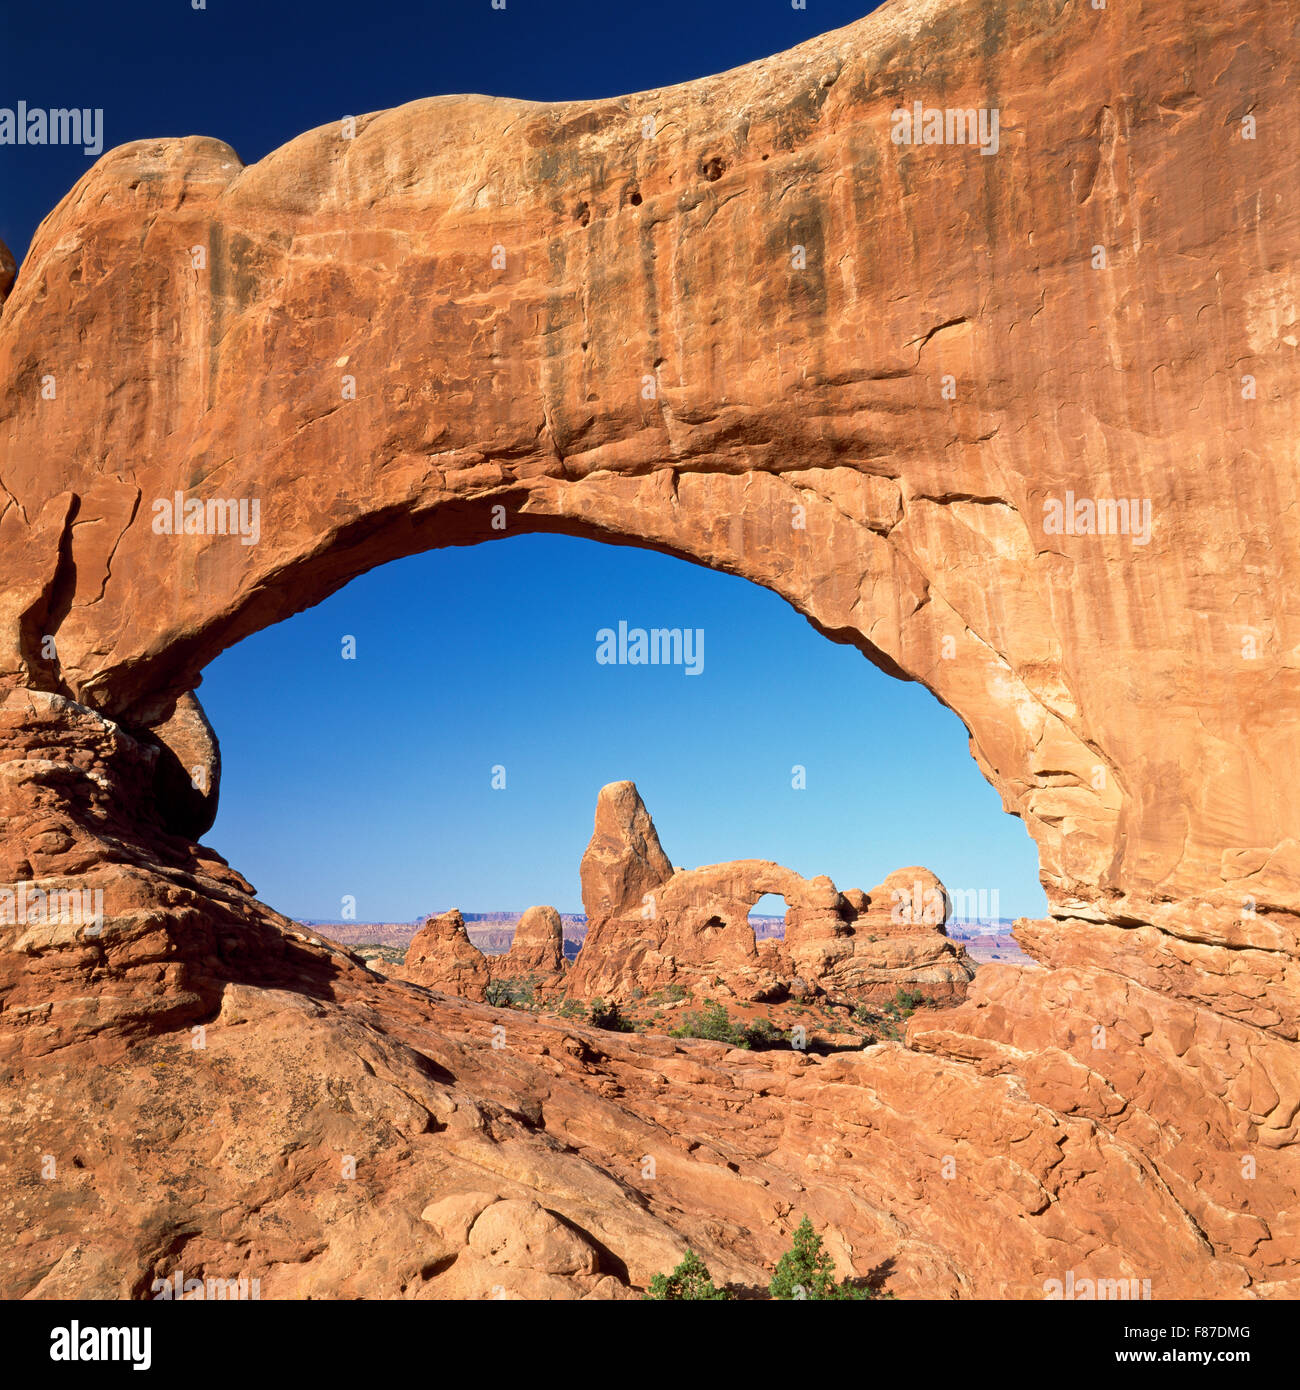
(464, 654)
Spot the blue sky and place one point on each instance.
(372, 777)
(255, 73)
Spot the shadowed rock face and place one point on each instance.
(7, 272)
(769, 340)
(188, 777)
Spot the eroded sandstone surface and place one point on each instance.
(764, 338)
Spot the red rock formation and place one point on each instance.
(908, 898)
(896, 942)
(441, 956)
(624, 860)
(916, 351)
(537, 948)
(692, 928)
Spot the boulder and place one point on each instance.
(526, 1235)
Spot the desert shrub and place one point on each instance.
(510, 993)
(608, 1017)
(885, 1019)
(713, 1023)
(806, 1271)
(690, 1280)
(716, 1025)
(761, 1033)
(906, 1002)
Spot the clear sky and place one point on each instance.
(373, 777)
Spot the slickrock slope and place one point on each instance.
(733, 321)
(691, 927)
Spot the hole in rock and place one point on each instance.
(435, 733)
(767, 916)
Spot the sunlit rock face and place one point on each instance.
(905, 385)
(441, 956)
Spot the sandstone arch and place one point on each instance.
(1136, 709)
(523, 387)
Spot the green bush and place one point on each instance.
(608, 1017)
(906, 1002)
(806, 1271)
(761, 1033)
(716, 1025)
(690, 1280)
(885, 1019)
(511, 993)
